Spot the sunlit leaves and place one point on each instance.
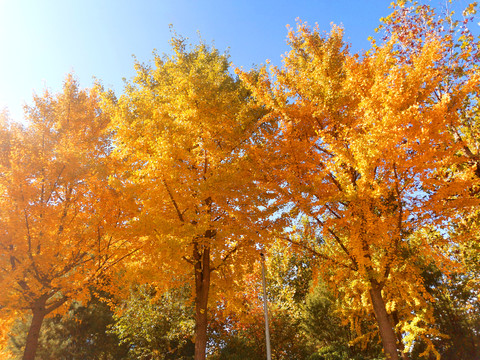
(361, 142)
(59, 217)
(183, 130)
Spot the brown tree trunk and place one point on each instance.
(202, 287)
(31, 345)
(389, 340)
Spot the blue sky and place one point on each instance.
(43, 40)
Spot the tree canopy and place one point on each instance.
(59, 217)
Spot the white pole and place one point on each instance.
(265, 308)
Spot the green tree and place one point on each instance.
(82, 333)
(332, 337)
(156, 326)
(242, 335)
(455, 298)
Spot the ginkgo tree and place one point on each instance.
(59, 218)
(361, 143)
(182, 130)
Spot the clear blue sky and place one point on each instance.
(42, 40)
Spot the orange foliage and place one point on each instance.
(59, 218)
(360, 152)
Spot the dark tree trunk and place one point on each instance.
(31, 345)
(202, 287)
(389, 340)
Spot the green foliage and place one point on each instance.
(325, 329)
(156, 326)
(303, 322)
(81, 334)
(457, 315)
(286, 337)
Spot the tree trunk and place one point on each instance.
(31, 345)
(202, 287)
(389, 340)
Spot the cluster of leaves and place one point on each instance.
(156, 326)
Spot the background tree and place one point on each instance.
(156, 325)
(304, 323)
(455, 295)
(457, 315)
(242, 335)
(182, 129)
(82, 333)
(58, 216)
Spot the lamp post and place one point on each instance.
(265, 308)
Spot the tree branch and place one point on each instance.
(179, 213)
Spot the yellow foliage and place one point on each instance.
(184, 129)
(361, 146)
